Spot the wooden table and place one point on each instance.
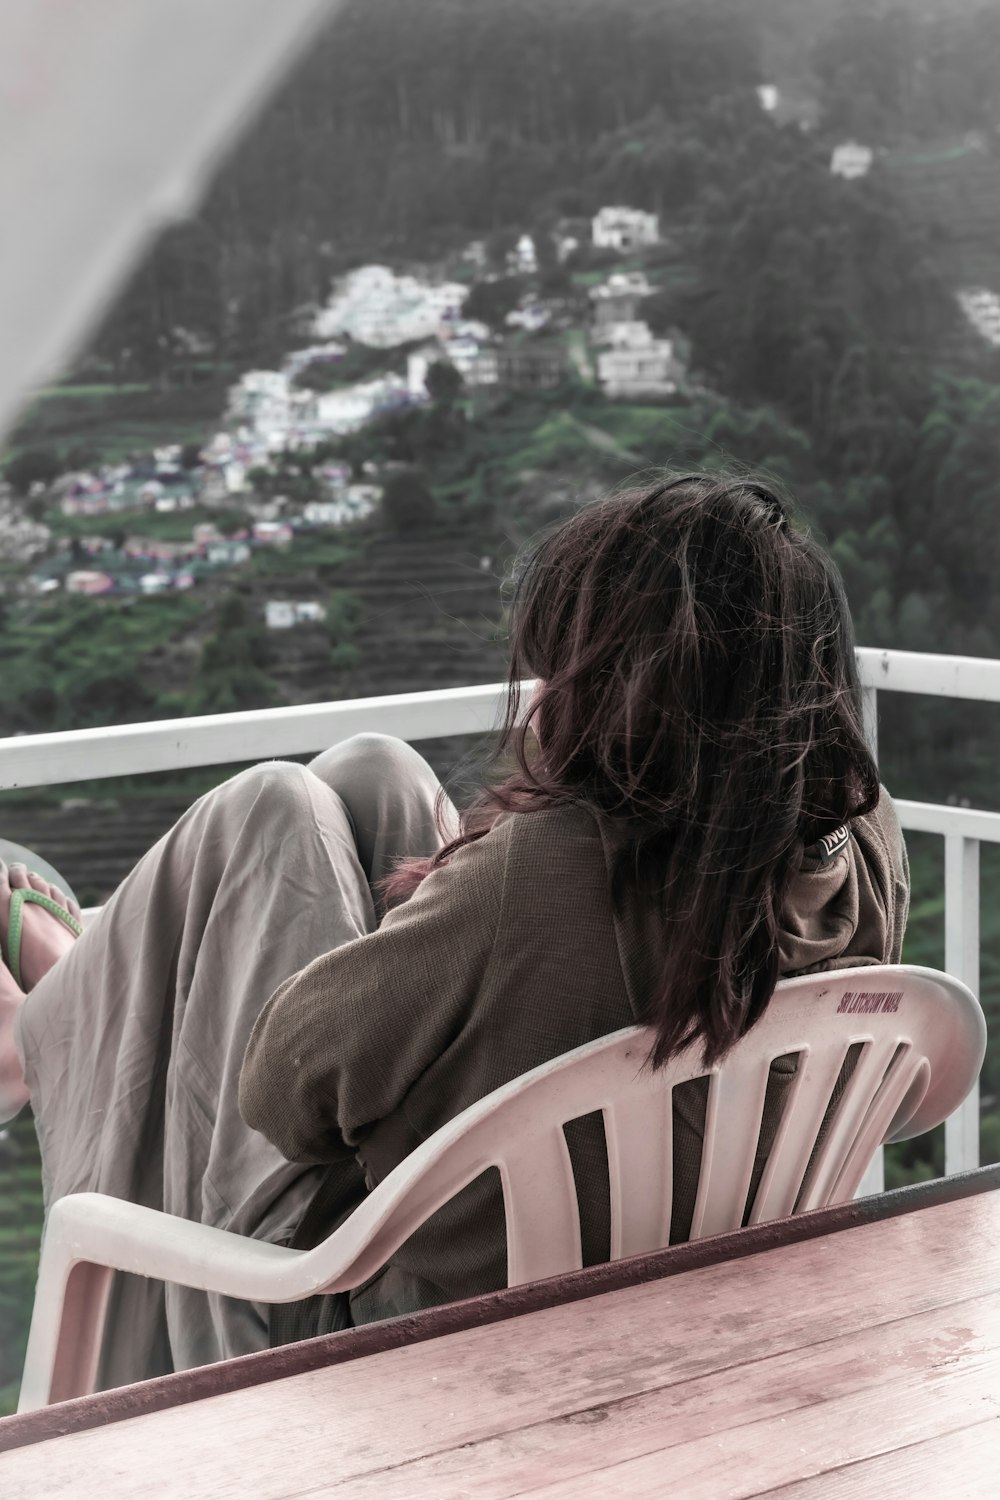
(863, 1362)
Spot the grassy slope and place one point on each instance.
(115, 421)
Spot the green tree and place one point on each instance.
(407, 500)
(491, 301)
(33, 466)
(230, 674)
(443, 382)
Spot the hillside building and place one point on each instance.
(283, 614)
(534, 365)
(88, 581)
(637, 364)
(476, 363)
(982, 308)
(523, 259)
(348, 409)
(227, 553)
(323, 512)
(851, 160)
(374, 306)
(625, 229)
(617, 299)
(531, 316)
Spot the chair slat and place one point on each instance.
(859, 1092)
(543, 1218)
(732, 1128)
(906, 1071)
(638, 1127)
(801, 1119)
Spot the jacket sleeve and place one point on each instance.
(848, 907)
(337, 1046)
(884, 883)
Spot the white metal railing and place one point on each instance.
(218, 739)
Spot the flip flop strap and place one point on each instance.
(35, 898)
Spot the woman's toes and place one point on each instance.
(18, 876)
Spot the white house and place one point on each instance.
(531, 316)
(617, 299)
(376, 307)
(272, 533)
(639, 365)
(417, 365)
(349, 408)
(629, 333)
(88, 581)
(324, 513)
(625, 228)
(155, 583)
(523, 259)
(283, 614)
(227, 553)
(851, 160)
(982, 308)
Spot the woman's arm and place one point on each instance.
(338, 1045)
(848, 904)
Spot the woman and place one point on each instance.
(692, 813)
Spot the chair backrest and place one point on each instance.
(918, 1038)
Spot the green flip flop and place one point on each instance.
(18, 898)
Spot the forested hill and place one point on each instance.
(411, 125)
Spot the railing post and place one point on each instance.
(874, 1179)
(961, 959)
(869, 717)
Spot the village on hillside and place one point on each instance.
(494, 328)
(300, 410)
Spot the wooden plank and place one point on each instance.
(561, 1366)
(477, 1312)
(744, 1460)
(960, 1466)
(679, 1426)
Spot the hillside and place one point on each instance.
(951, 189)
(428, 615)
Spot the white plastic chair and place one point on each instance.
(922, 1038)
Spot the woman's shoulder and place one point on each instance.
(564, 823)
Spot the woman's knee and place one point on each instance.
(274, 784)
(364, 757)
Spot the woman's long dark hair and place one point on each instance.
(697, 691)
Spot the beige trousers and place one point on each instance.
(132, 1044)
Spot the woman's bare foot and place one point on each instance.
(44, 938)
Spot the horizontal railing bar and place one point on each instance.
(935, 817)
(214, 739)
(262, 734)
(976, 678)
